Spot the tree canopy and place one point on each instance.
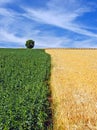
(30, 44)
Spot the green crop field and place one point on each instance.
(24, 89)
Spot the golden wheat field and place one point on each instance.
(74, 89)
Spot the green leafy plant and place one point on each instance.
(24, 91)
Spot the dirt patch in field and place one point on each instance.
(74, 89)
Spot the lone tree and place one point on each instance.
(30, 44)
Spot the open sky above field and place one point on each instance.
(50, 23)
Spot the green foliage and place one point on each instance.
(29, 44)
(24, 90)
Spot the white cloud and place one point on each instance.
(18, 27)
(2, 2)
(63, 21)
(51, 41)
(40, 41)
(10, 37)
(88, 43)
(61, 16)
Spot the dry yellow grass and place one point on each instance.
(74, 89)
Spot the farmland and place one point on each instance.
(39, 89)
(24, 89)
(74, 88)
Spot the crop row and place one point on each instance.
(24, 89)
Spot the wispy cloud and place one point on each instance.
(45, 23)
(9, 37)
(62, 14)
(88, 43)
(3, 2)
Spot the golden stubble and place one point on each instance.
(74, 89)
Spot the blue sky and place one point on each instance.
(50, 23)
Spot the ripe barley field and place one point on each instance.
(74, 89)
